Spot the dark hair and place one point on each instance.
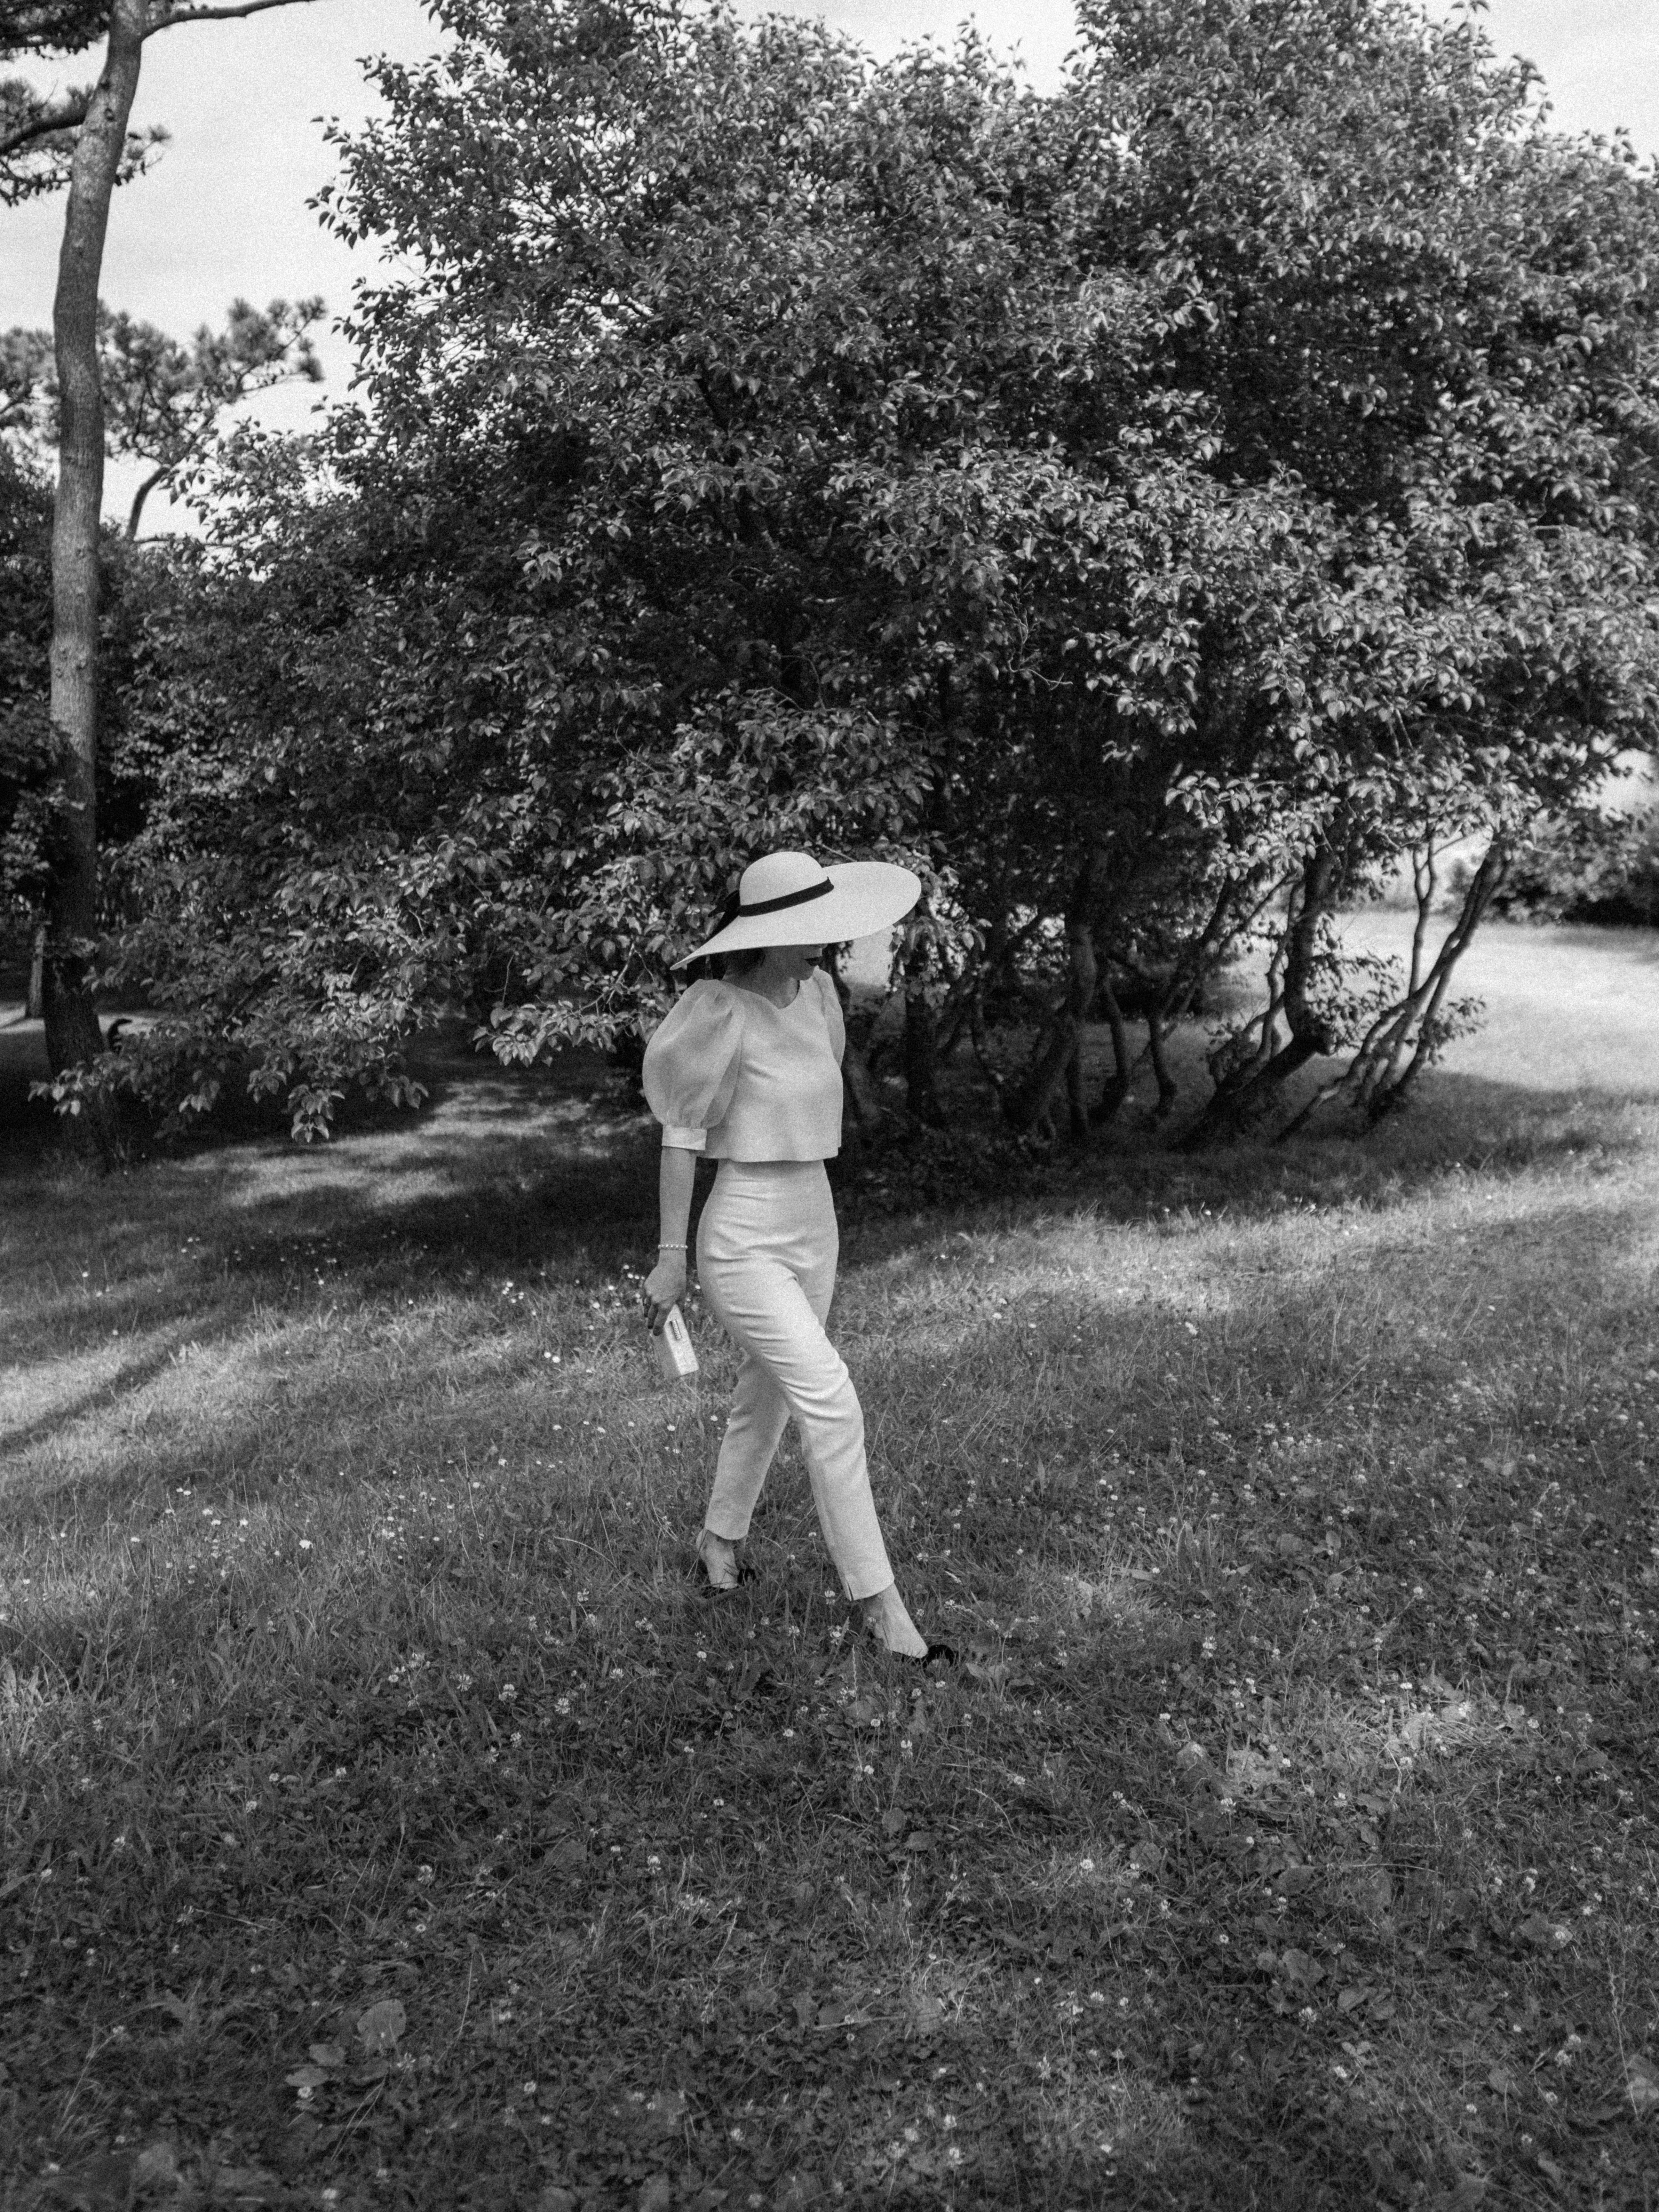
(718, 965)
(713, 966)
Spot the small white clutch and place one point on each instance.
(677, 1355)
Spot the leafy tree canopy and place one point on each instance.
(1137, 505)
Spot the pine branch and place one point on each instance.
(69, 114)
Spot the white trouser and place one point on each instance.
(767, 1247)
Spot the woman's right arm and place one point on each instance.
(665, 1286)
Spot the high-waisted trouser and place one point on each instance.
(767, 1247)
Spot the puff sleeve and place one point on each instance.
(691, 1064)
(830, 997)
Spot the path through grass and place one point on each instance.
(388, 1820)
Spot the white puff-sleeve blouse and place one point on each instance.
(729, 1073)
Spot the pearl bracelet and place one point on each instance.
(671, 1247)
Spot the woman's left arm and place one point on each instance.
(664, 1286)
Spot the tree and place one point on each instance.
(1418, 333)
(79, 140)
(767, 442)
(1387, 278)
(162, 399)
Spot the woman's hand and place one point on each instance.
(664, 1286)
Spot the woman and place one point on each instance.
(747, 1069)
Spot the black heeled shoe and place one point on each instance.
(936, 1655)
(744, 1572)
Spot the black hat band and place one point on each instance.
(789, 898)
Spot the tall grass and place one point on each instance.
(1282, 1838)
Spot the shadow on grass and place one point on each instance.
(1460, 1127)
(132, 1375)
(552, 1182)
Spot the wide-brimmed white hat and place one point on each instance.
(786, 898)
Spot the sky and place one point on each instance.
(223, 213)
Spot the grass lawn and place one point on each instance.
(389, 1820)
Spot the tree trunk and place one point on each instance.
(858, 1085)
(1077, 1098)
(1390, 1096)
(920, 1051)
(1084, 981)
(32, 1004)
(1156, 1043)
(981, 1044)
(72, 1030)
(859, 1091)
(1116, 1087)
(1243, 1098)
(1373, 1080)
(1025, 1104)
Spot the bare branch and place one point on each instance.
(68, 115)
(219, 15)
(135, 514)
